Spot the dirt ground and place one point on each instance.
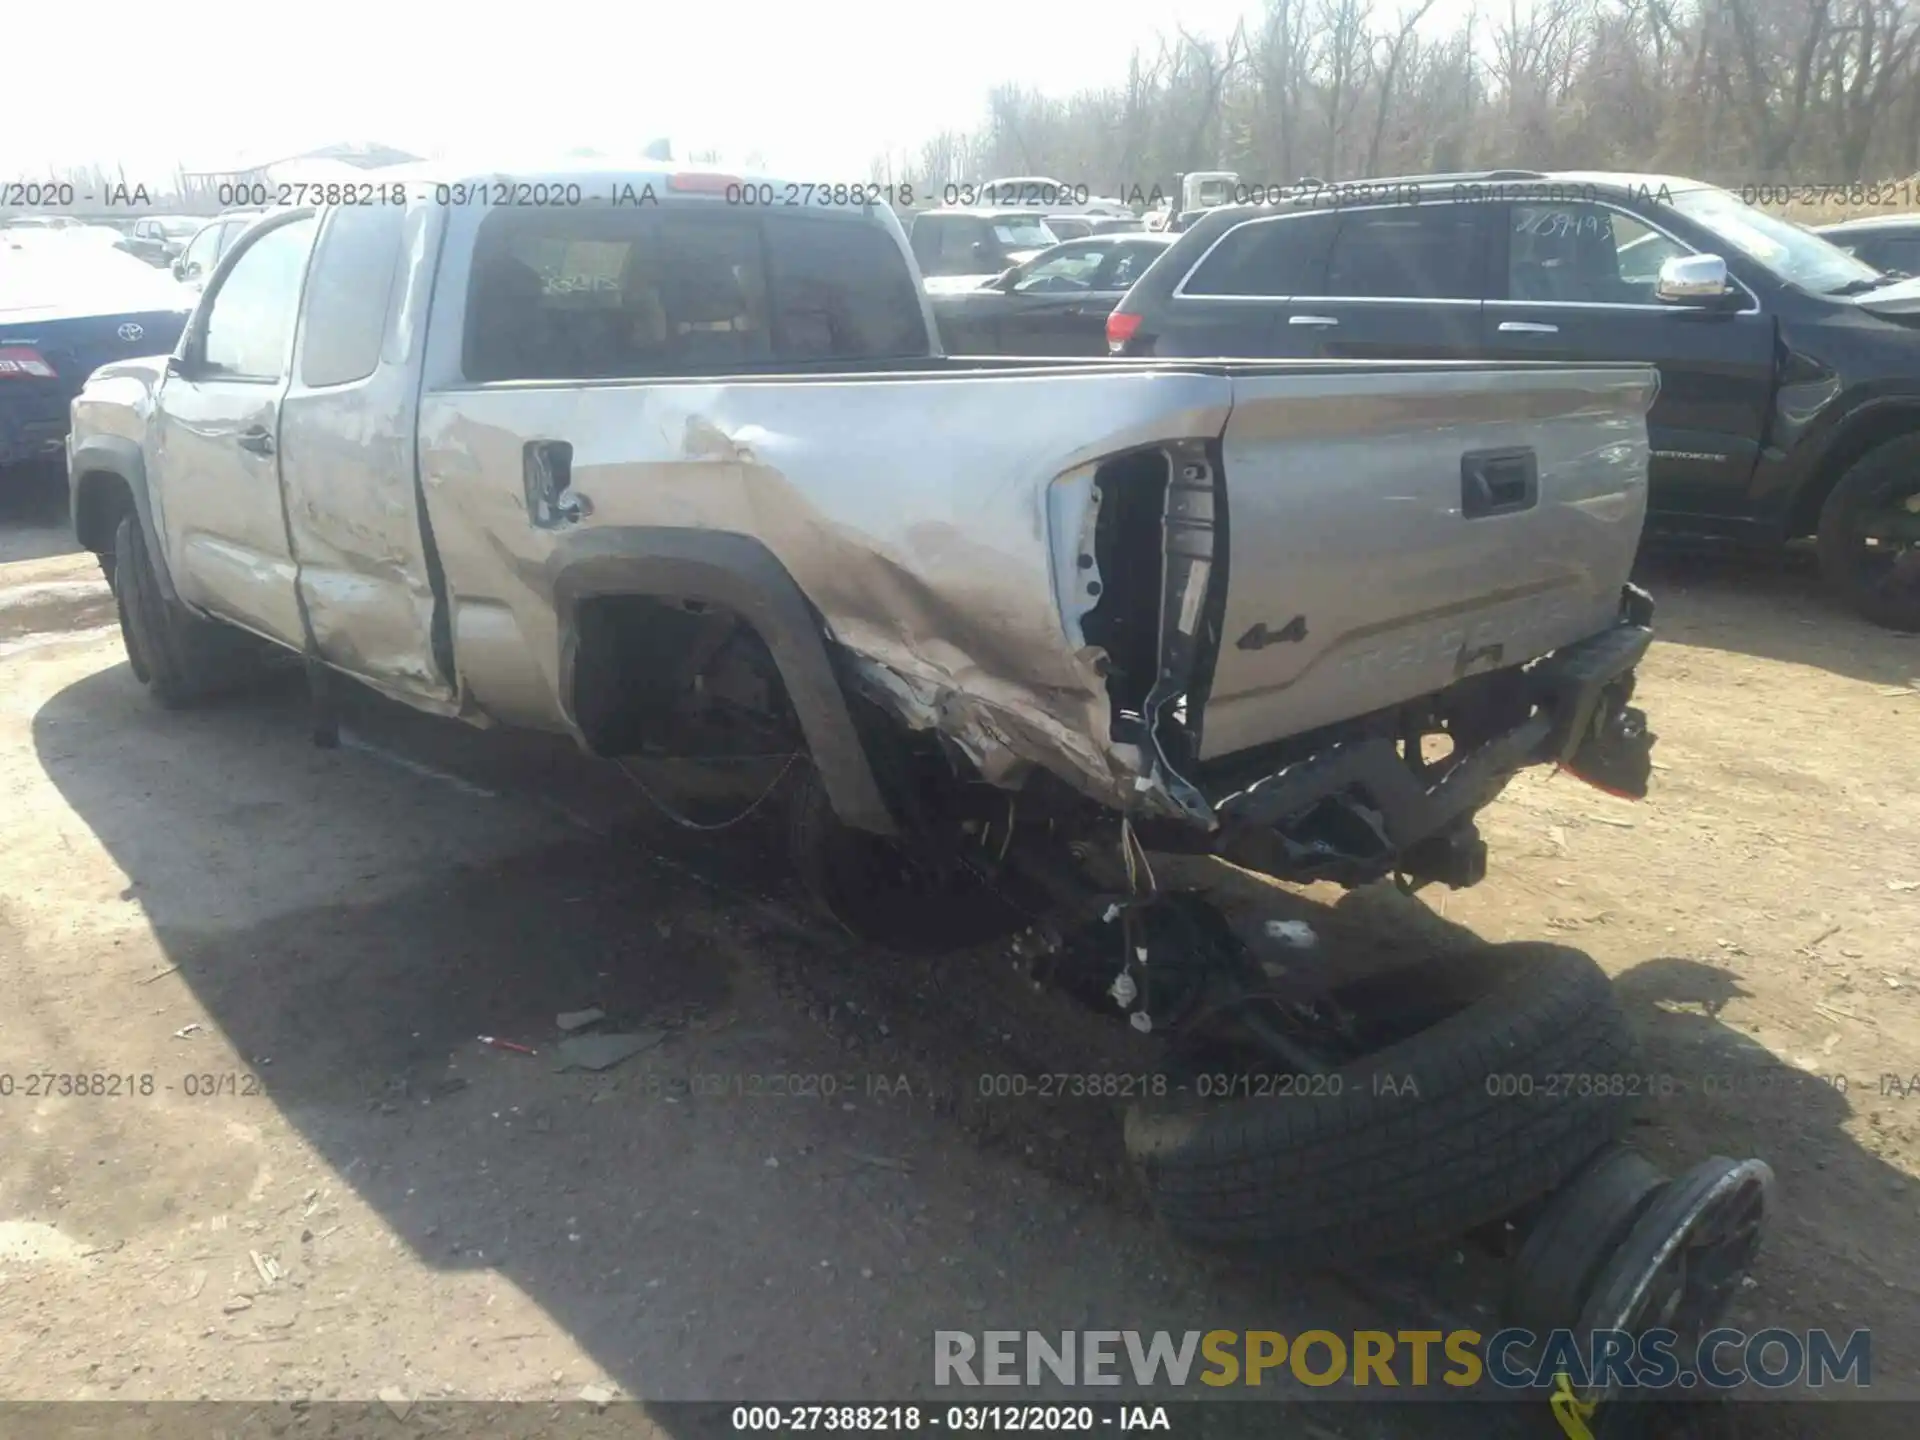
(334, 1190)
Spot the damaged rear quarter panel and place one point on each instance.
(912, 509)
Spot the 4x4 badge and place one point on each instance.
(1259, 637)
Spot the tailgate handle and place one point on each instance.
(1498, 482)
(1319, 322)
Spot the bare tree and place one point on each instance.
(1727, 90)
(1347, 58)
(1389, 75)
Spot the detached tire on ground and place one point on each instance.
(1510, 1093)
(1869, 538)
(181, 658)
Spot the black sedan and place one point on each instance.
(1053, 304)
(1889, 243)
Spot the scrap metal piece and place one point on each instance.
(603, 1052)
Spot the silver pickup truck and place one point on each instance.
(617, 455)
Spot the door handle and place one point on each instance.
(1317, 321)
(1527, 327)
(1074, 310)
(551, 499)
(259, 440)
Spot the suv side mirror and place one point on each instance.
(179, 269)
(1693, 280)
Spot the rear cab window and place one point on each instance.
(683, 289)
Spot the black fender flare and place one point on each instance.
(119, 457)
(737, 571)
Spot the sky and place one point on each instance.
(817, 87)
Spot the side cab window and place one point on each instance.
(245, 331)
(350, 289)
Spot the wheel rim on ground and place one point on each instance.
(1574, 1236)
(1681, 1263)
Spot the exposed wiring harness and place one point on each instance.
(686, 822)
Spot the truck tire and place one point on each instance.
(1882, 486)
(1510, 1094)
(179, 657)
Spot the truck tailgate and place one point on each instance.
(1384, 543)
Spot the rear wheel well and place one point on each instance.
(102, 497)
(655, 672)
(1842, 455)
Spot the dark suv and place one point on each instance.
(1789, 399)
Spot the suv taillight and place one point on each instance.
(1121, 327)
(23, 362)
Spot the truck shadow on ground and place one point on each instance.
(1768, 604)
(702, 1245)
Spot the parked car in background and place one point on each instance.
(1789, 400)
(958, 249)
(1890, 243)
(212, 240)
(67, 307)
(1076, 227)
(1053, 304)
(160, 239)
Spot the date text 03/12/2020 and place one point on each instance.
(964, 1419)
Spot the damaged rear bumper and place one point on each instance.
(1356, 811)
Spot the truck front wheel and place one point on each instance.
(1869, 540)
(179, 657)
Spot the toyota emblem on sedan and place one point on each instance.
(131, 331)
